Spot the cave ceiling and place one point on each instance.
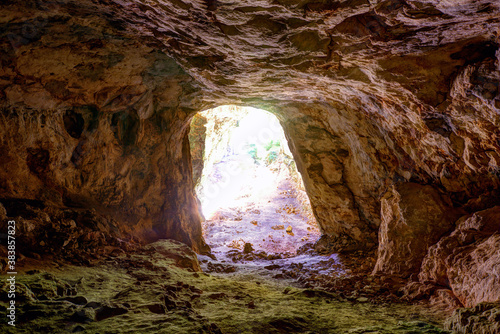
(287, 50)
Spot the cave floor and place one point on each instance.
(153, 291)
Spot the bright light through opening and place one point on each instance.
(249, 189)
(247, 150)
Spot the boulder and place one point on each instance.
(183, 256)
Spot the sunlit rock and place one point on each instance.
(467, 260)
(414, 217)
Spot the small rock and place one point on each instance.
(289, 229)
(84, 315)
(170, 303)
(108, 312)
(217, 295)
(78, 329)
(93, 305)
(362, 300)
(272, 267)
(78, 300)
(117, 252)
(247, 248)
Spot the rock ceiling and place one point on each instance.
(320, 50)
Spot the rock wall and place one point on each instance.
(91, 118)
(197, 137)
(414, 217)
(467, 261)
(339, 169)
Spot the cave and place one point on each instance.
(390, 110)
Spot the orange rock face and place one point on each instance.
(414, 217)
(468, 260)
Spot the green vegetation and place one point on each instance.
(146, 293)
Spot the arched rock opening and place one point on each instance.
(247, 182)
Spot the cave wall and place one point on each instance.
(197, 136)
(92, 118)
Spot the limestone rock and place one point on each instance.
(96, 98)
(183, 256)
(468, 259)
(481, 319)
(414, 217)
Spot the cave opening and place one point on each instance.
(251, 195)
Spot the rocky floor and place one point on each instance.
(161, 289)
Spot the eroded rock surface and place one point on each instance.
(468, 260)
(94, 118)
(482, 319)
(414, 217)
(367, 92)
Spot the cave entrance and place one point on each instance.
(247, 182)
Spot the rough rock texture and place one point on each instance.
(197, 136)
(182, 255)
(468, 260)
(96, 98)
(414, 217)
(92, 118)
(76, 235)
(482, 319)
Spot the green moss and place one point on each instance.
(147, 294)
